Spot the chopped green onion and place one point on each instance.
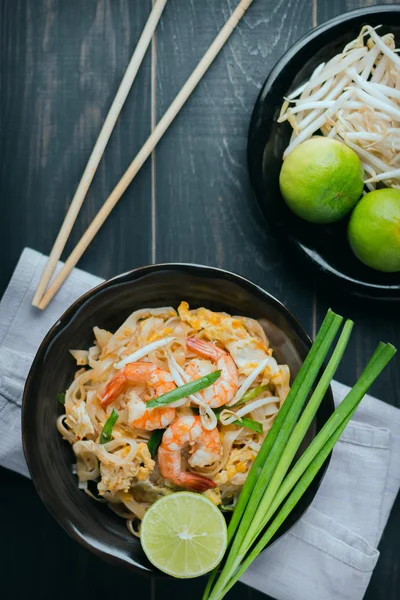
(155, 441)
(245, 422)
(251, 394)
(106, 432)
(249, 424)
(185, 390)
(61, 398)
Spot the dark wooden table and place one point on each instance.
(61, 63)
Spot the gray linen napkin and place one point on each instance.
(331, 553)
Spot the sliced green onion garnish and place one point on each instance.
(155, 441)
(251, 394)
(185, 390)
(106, 432)
(61, 398)
(249, 423)
(245, 422)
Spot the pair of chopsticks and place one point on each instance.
(42, 297)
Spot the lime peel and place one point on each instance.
(374, 230)
(321, 180)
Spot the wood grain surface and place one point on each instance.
(61, 63)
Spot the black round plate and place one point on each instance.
(322, 248)
(50, 458)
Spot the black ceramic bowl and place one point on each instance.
(50, 458)
(322, 250)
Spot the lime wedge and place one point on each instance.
(184, 535)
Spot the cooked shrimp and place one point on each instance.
(224, 389)
(151, 376)
(206, 450)
(244, 338)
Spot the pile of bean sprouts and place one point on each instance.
(354, 98)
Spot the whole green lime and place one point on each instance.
(374, 230)
(321, 180)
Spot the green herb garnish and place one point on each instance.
(106, 432)
(251, 394)
(155, 441)
(185, 390)
(61, 398)
(249, 423)
(245, 422)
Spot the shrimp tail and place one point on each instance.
(195, 482)
(113, 389)
(202, 348)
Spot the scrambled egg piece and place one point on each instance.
(158, 335)
(246, 349)
(120, 477)
(239, 461)
(143, 454)
(79, 421)
(203, 318)
(214, 495)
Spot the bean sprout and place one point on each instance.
(354, 98)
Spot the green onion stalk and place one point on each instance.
(274, 444)
(106, 432)
(155, 441)
(312, 460)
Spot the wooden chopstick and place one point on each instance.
(146, 150)
(99, 148)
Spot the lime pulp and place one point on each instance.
(184, 535)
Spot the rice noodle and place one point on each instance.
(129, 524)
(137, 508)
(81, 356)
(123, 332)
(101, 500)
(66, 433)
(268, 362)
(227, 417)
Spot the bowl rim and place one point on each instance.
(387, 292)
(64, 321)
(313, 33)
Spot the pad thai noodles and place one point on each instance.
(129, 454)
